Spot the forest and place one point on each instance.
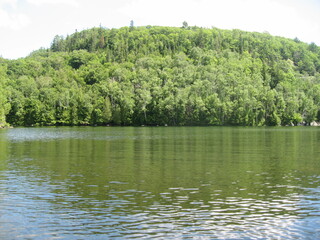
(157, 75)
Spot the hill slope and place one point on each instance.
(163, 75)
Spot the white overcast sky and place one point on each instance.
(27, 25)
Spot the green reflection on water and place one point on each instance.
(3, 150)
(190, 181)
(238, 162)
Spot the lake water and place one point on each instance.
(160, 182)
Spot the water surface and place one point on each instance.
(164, 183)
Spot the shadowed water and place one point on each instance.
(164, 183)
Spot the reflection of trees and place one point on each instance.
(133, 168)
(3, 150)
(3, 161)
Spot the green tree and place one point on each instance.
(4, 104)
(163, 75)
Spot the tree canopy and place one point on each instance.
(163, 75)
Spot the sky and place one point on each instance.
(28, 25)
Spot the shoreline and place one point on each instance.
(280, 126)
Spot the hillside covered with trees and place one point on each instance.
(163, 75)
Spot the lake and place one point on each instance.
(160, 182)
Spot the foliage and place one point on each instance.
(163, 75)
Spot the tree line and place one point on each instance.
(163, 75)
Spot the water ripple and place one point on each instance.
(136, 191)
